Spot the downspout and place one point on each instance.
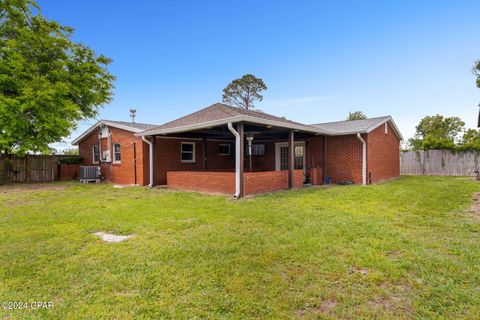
(150, 160)
(237, 159)
(100, 145)
(364, 159)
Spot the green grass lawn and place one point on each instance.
(403, 249)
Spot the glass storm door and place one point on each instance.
(282, 156)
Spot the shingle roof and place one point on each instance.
(129, 126)
(219, 113)
(352, 126)
(142, 126)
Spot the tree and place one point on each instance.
(356, 115)
(71, 152)
(437, 132)
(470, 140)
(47, 82)
(244, 91)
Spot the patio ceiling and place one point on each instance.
(259, 133)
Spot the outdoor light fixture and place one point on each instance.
(249, 140)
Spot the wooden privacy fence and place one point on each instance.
(439, 163)
(31, 168)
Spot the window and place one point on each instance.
(386, 128)
(299, 154)
(188, 152)
(224, 149)
(257, 150)
(283, 158)
(117, 157)
(96, 154)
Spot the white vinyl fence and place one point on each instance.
(439, 163)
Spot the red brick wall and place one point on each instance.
(222, 182)
(168, 158)
(316, 176)
(69, 171)
(215, 161)
(383, 154)
(260, 182)
(315, 158)
(122, 172)
(85, 148)
(344, 158)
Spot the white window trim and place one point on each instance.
(386, 127)
(93, 154)
(229, 149)
(193, 152)
(113, 154)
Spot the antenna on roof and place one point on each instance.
(133, 113)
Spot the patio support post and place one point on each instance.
(291, 157)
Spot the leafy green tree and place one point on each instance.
(71, 152)
(470, 140)
(437, 132)
(356, 115)
(47, 82)
(244, 92)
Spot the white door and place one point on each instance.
(281, 155)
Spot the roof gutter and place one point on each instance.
(237, 159)
(364, 159)
(150, 160)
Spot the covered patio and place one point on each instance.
(240, 155)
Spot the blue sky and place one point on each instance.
(319, 59)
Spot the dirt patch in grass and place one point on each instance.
(475, 208)
(355, 270)
(396, 301)
(12, 188)
(326, 307)
(16, 203)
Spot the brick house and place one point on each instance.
(232, 150)
(113, 146)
